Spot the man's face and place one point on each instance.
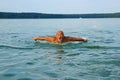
(60, 36)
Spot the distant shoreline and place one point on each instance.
(13, 15)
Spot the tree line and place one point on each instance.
(14, 15)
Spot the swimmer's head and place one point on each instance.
(60, 35)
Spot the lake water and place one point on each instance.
(21, 58)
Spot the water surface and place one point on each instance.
(21, 58)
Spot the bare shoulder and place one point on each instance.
(75, 39)
(50, 38)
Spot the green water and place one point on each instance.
(21, 58)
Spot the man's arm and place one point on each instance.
(39, 38)
(49, 38)
(76, 39)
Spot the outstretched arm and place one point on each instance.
(48, 38)
(76, 39)
(39, 38)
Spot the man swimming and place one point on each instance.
(59, 38)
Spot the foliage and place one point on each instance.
(42, 15)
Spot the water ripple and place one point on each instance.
(9, 75)
(101, 47)
(14, 47)
(24, 79)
